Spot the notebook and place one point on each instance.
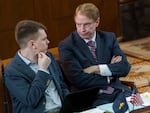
(79, 101)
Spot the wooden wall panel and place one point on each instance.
(56, 15)
(11, 11)
(64, 8)
(110, 20)
(8, 46)
(57, 18)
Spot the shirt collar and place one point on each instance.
(28, 62)
(93, 38)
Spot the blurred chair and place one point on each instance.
(6, 97)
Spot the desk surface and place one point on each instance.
(140, 75)
(108, 107)
(137, 48)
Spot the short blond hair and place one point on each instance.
(89, 10)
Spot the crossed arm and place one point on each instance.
(95, 68)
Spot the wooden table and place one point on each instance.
(140, 75)
(137, 48)
(138, 55)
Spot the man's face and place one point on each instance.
(41, 43)
(85, 26)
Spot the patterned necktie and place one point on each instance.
(92, 47)
(109, 90)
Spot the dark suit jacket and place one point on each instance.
(75, 56)
(27, 88)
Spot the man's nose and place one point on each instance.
(48, 41)
(82, 27)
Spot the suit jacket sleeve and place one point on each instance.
(26, 91)
(28, 88)
(122, 68)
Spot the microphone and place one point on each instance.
(5, 103)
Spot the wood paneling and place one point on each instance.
(57, 18)
(110, 20)
(8, 46)
(11, 11)
(56, 15)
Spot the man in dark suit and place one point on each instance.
(33, 77)
(101, 64)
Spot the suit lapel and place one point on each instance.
(80, 43)
(26, 70)
(100, 47)
(82, 46)
(53, 71)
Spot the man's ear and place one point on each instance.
(31, 44)
(97, 21)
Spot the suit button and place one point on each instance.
(44, 103)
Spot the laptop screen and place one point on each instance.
(79, 101)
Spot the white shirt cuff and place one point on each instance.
(46, 71)
(104, 70)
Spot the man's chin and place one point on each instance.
(44, 51)
(84, 37)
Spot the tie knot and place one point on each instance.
(91, 43)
